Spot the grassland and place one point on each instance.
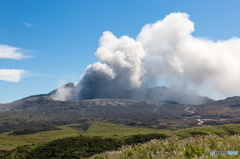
(197, 147)
(106, 130)
(8, 142)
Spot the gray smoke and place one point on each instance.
(164, 52)
(118, 71)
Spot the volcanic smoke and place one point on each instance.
(163, 52)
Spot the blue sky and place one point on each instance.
(59, 37)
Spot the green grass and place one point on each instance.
(197, 147)
(105, 130)
(22, 117)
(8, 142)
(222, 130)
(118, 130)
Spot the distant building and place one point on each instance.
(203, 118)
(210, 118)
(196, 117)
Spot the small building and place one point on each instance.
(196, 117)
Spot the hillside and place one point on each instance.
(119, 108)
(154, 94)
(229, 107)
(101, 137)
(13, 139)
(193, 147)
(42, 111)
(95, 108)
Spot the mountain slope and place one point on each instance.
(229, 107)
(158, 102)
(155, 94)
(119, 108)
(95, 108)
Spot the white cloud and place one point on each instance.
(11, 75)
(27, 24)
(10, 52)
(177, 57)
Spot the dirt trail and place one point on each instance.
(190, 111)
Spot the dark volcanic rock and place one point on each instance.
(118, 108)
(155, 94)
(157, 102)
(95, 108)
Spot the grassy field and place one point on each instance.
(197, 147)
(8, 142)
(181, 143)
(222, 130)
(119, 130)
(105, 129)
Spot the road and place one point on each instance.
(190, 111)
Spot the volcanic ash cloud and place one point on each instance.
(118, 71)
(164, 52)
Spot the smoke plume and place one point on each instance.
(118, 71)
(180, 58)
(165, 52)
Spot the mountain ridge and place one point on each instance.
(154, 94)
(153, 107)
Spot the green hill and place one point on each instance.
(193, 147)
(10, 140)
(87, 139)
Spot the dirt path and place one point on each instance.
(190, 111)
